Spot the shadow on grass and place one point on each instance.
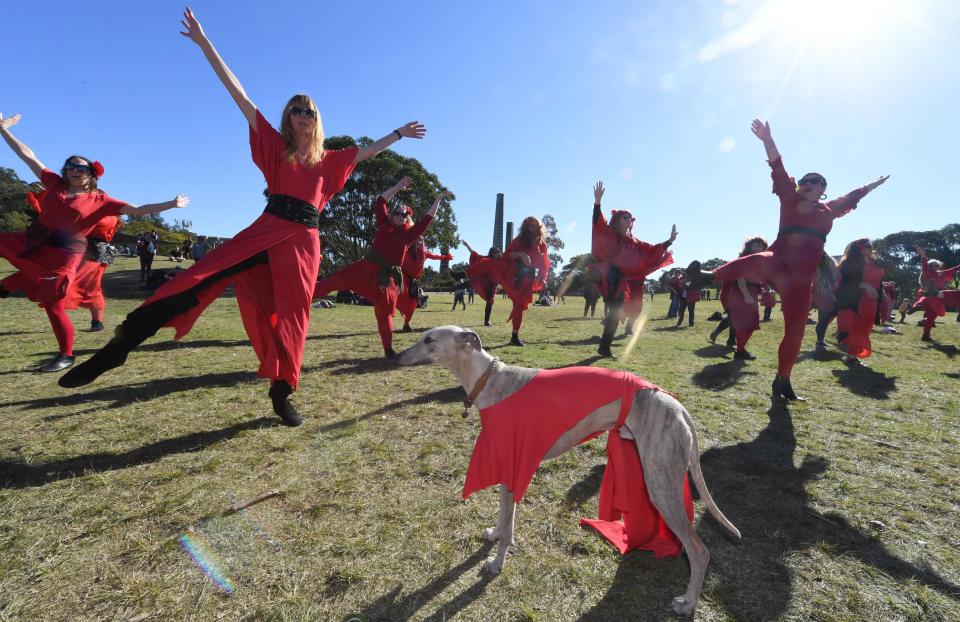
(391, 606)
(713, 351)
(952, 374)
(579, 342)
(721, 376)
(587, 362)
(864, 381)
(444, 396)
(19, 475)
(949, 349)
(124, 395)
(760, 490)
(11, 333)
(171, 345)
(671, 328)
(821, 354)
(585, 489)
(339, 335)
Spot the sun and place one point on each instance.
(825, 27)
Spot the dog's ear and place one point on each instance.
(468, 337)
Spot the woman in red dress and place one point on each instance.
(378, 277)
(413, 262)
(741, 301)
(790, 264)
(87, 289)
(624, 263)
(933, 296)
(521, 271)
(273, 263)
(485, 287)
(48, 254)
(858, 296)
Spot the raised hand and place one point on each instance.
(8, 122)
(878, 181)
(192, 28)
(673, 233)
(181, 200)
(414, 129)
(761, 130)
(597, 192)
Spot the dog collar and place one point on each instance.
(481, 383)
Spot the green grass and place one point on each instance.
(97, 487)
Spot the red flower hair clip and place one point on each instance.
(97, 168)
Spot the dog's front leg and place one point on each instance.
(503, 532)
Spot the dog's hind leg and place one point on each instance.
(665, 486)
(502, 533)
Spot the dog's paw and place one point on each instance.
(680, 606)
(491, 534)
(492, 566)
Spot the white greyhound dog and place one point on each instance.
(661, 427)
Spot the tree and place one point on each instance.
(572, 274)
(348, 224)
(554, 243)
(897, 254)
(15, 213)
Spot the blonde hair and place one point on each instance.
(315, 148)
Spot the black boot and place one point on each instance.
(783, 390)
(279, 393)
(406, 328)
(60, 363)
(744, 355)
(515, 340)
(486, 314)
(96, 326)
(389, 354)
(3, 293)
(114, 354)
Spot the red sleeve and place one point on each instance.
(841, 206)
(542, 263)
(34, 200)
(949, 272)
(337, 164)
(110, 207)
(783, 186)
(430, 255)
(266, 147)
(603, 241)
(50, 180)
(416, 230)
(380, 211)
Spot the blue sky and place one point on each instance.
(537, 100)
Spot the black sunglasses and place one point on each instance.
(297, 111)
(398, 213)
(80, 168)
(813, 180)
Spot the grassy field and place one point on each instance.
(103, 491)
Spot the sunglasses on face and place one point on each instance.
(404, 214)
(812, 180)
(297, 111)
(80, 168)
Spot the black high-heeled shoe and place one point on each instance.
(782, 389)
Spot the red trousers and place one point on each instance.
(361, 277)
(857, 324)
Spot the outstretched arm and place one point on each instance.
(390, 192)
(762, 131)
(597, 195)
(25, 153)
(421, 225)
(414, 129)
(153, 208)
(468, 247)
(446, 194)
(194, 32)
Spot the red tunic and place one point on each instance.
(937, 279)
(517, 432)
(412, 266)
(857, 323)
(744, 316)
(504, 271)
(86, 289)
(274, 298)
(635, 259)
(485, 287)
(46, 271)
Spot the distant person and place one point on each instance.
(459, 288)
(200, 248)
(484, 285)
(933, 295)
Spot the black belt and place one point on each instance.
(293, 209)
(39, 235)
(820, 235)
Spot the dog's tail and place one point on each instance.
(699, 481)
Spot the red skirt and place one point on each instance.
(86, 289)
(744, 316)
(44, 275)
(858, 324)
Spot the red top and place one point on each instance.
(417, 255)
(539, 261)
(634, 258)
(106, 228)
(78, 214)
(936, 278)
(315, 185)
(804, 250)
(391, 242)
(873, 275)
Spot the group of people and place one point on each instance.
(273, 263)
